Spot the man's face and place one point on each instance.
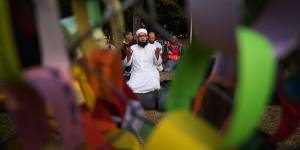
(142, 37)
(129, 36)
(174, 40)
(151, 37)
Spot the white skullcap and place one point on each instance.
(98, 34)
(141, 31)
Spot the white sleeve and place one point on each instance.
(159, 45)
(160, 67)
(127, 63)
(162, 50)
(156, 61)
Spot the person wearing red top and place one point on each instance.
(174, 49)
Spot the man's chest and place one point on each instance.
(142, 55)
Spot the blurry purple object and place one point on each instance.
(55, 87)
(280, 22)
(215, 22)
(28, 112)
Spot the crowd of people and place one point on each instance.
(144, 56)
(170, 50)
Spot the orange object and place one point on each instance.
(199, 99)
(100, 63)
(117, 71)
(225, 124)
(174, 57)
(94, 138)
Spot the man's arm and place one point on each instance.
(157, 57)
(162, 49)
(128, 59)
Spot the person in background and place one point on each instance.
(160, 39)
(128, 41)
(145, 79)
(162, 42)
(174, 50)
(152, 40)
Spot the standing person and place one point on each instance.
(152, 40)
(144, 80)
(128, 41)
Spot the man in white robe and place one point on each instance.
(144, 80)
(152, 40)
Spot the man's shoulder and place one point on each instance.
(152, 46)
(134, 46)
(157, 44)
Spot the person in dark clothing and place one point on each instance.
(128, 41)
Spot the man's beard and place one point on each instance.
(142, 44)
(151, 42)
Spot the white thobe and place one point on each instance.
(144, 75)
(158, 45)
